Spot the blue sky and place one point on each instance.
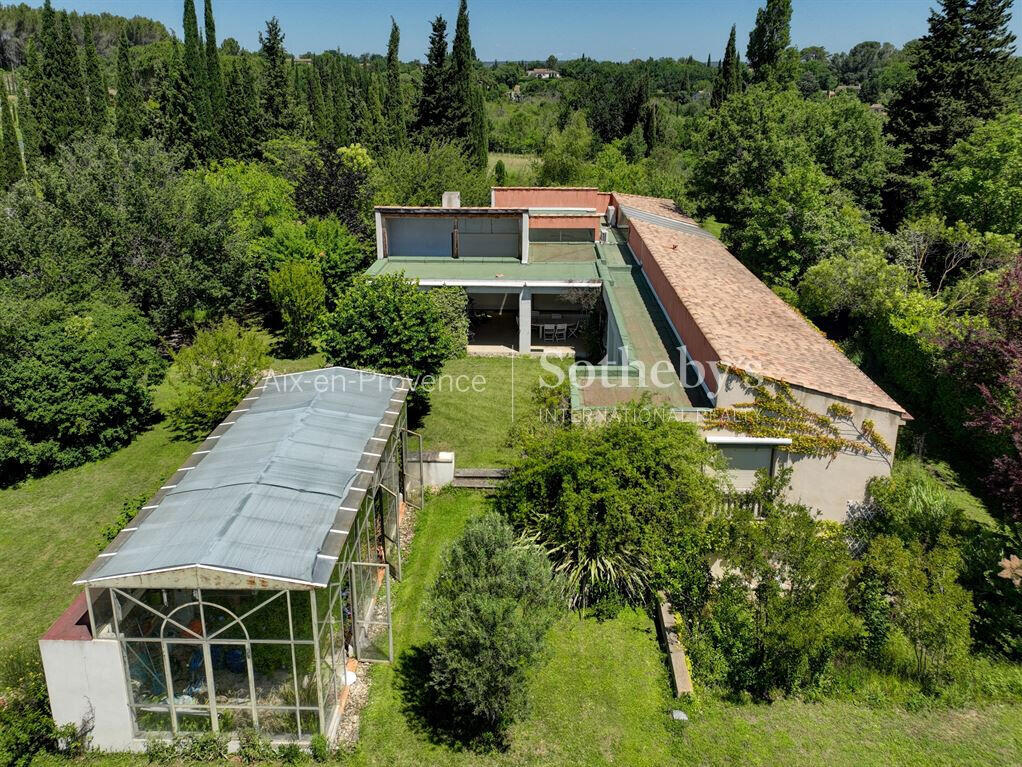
(532, 29)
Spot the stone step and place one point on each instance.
(479, 483)
(481, 473)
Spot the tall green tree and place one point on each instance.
(242, 129)
(11, 168)
(963, 73)
(467, 107)
(194, 60)
(477, 137)
(95, 83)
(215, 84)
(768, 53)
(275, 96)
(341, 102)
(180, 120)
(29, 88)
(434, 103)
(728, 79)
(394, 106)
(321, 124)
(128, 110)
(61, 100)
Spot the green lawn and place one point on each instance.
(471, 407)
(52, 525)
(600, 697)
(517, 163)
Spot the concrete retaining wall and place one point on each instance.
(437, 470)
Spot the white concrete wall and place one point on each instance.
(86, 678)
(437, 471)
(828, 484)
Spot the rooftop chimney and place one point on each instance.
(451, 200)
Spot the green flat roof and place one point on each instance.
(486, 269)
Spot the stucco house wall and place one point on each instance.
(550, 197)
(827, 484)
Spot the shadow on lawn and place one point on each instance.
(436, 719)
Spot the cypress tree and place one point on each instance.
(215, 84)
(275, 98)
(128, 109)
(241, 120)
(433, 109)
(76, 102)
(317, 107)
(11, 168)
(341, 103)
(461, 75)
(728, 79)
(28, 103)
(194, 71)
(181, 122)
(394, 107)
(94, 81)
(963, 73)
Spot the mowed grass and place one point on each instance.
(52, 526)
(473, 405)
(599, 697)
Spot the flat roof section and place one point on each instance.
(282, 474)
(465, 271)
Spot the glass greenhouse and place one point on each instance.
(246, 590)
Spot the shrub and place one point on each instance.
(911, 504)
(342, 256)
(26, 726)
(997, 623)
(780, 615)
(75, 381)
(452, 303)
(211, 376)
(291, 753)
(253, 747)
(490, 610)
(620, 507)
(297, 290)
(159, 751)
(388, 325)
(319, 748)
(207, 747)
(926, 602)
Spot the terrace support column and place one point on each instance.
(525, 321)
(380, 252)
(524, 248)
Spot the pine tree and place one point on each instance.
(62, 103)
(393, 104)
(194, 71)
(433, 109)
(768, 53)
(215, 85)
(11, 168)
(728, 80)
(963, 73)
(95, 83)
(275, 97)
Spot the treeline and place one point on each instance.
(891, 231)
(198, 183)
(18, 23)
(211, 105)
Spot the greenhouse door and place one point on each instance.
(370, 598)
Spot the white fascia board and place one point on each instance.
(433, 283)
(738, 439)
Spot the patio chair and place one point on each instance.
(573, 329)
(561, 332)
(547, 332)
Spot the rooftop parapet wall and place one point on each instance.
(550, 197)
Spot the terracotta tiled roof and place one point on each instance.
(744, 321)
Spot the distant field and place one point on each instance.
(517, 163)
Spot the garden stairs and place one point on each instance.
(480, 479)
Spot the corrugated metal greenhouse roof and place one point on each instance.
(268, 498)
